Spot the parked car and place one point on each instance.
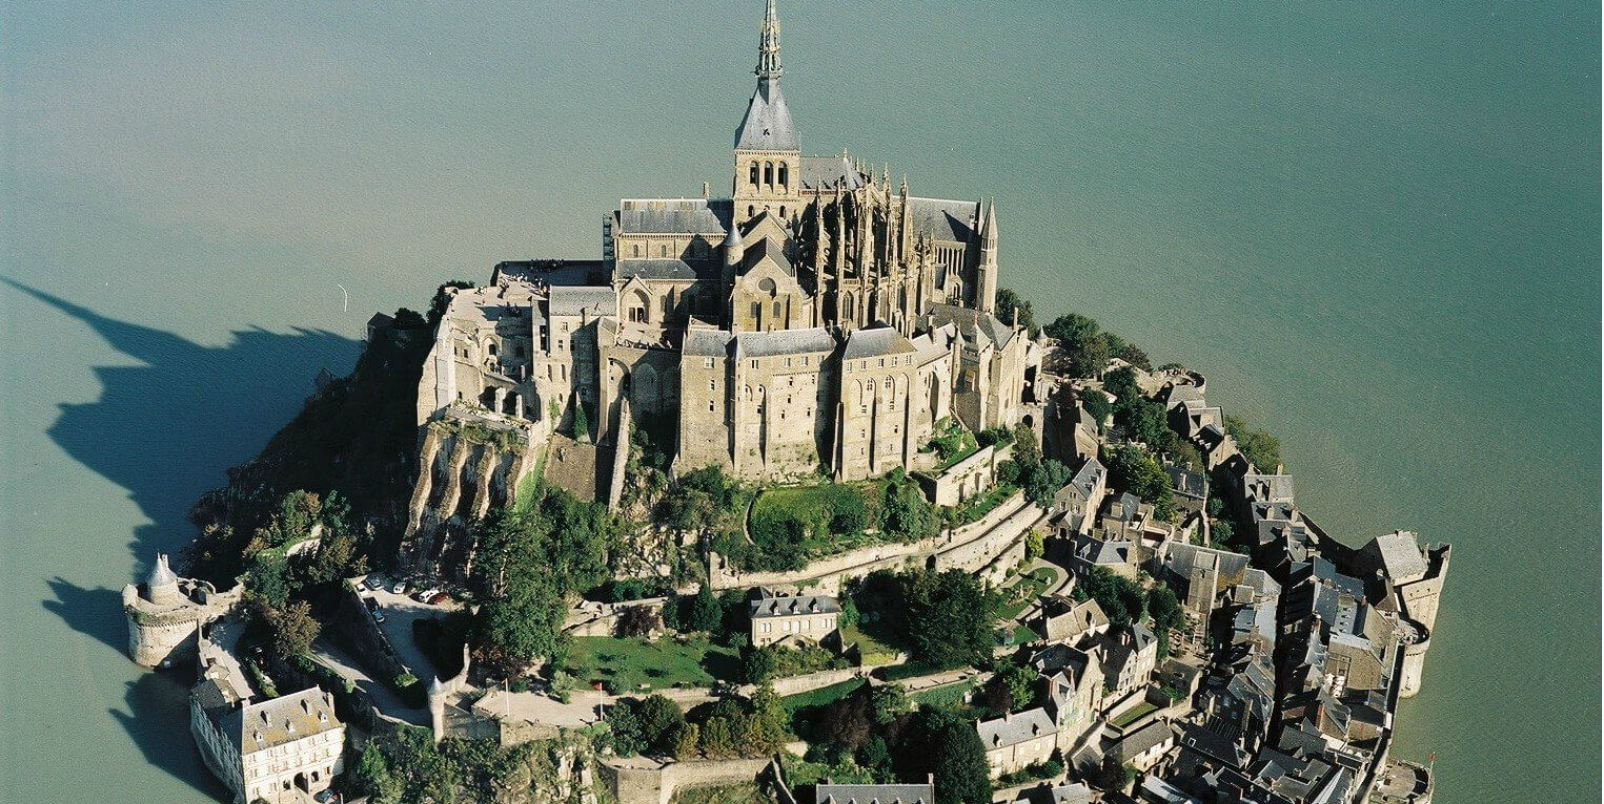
(378, 616)
(375, 582)
(400, 587)
(439, 598)
(425, 595)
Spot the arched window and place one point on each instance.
(768, 173)
(662, 251)
(776, 308)
(782, 206)
(784, 178)
(751, 176)
(492, 348)
(749, 208)
(637, 249)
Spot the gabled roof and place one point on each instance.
(825, 172)
(875, 342)
(667, 268)
(707, 342)
(784, 342)
(1400, 556)
(972, 324)
(1015, 728)
(942, 219)
(281, 720)
(674, 216)
(597, 300)
(826, 793)
(792, 606)
(763, 249)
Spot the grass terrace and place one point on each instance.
(1133, 714)
(635, 665)
(821, 696)
(875, 652)
(1025, 590)
(946, 696)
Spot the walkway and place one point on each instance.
(381, 694)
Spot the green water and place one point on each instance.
(1374, 225)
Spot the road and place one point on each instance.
(383, 697)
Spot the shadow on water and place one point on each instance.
(157, 718)
(166, 430)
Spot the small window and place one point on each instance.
(637, 249)
(751, 177)
(784, 180)
(782, 206)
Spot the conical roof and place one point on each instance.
(161, 574)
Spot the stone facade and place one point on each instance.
(816, 319)
(809, 617)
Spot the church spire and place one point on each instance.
(768, 51)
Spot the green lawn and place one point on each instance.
(1025, 590)
(822, 695)
(1133, 714)
(875, 652)
(624, 665)
(945, 696)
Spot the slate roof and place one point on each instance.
(1183, 557)
(1015, 728)
(767, 125)
(972, 323)
(1153, 734)
(668, 268)
(1077, 793)
(707, 342)
(674, 216)
(942, 219)
(765, 247)
(281, 720)
(792, 606)
(1400, 556)
(784, 342)
(1187, 482)
(602, 300)
(875, 342)
(1102, 553)
(874, 794)
(826, 172)
(1087, 476)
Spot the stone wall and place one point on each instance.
(825, 576)
(643, 781)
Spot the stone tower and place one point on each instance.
(165, 616)
(986, 290)
(768, 158)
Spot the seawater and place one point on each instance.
(1373, 225)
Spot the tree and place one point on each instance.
(1144, 420)
(945, 745)
(1121, 382)
(850, 615)
(687, 741)
(1014, 684)
(1035, 544)
(890, 701)
(849, 513)
(1119, 597)
(646, 725)
(1222, 532)
(1261, 449)
(908, 515)
(1084, 349)
(1044, 480)
(949, 617)
(376, 778)
(293, 628)
(1097, 405)
(1111, 776)
(269, 579)
(1133, 469)
(757, 664)
(638, 621)
(1009, 303)
(706, 613)
(846, 722)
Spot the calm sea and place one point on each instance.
(1374, 225)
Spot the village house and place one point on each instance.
(1069, 622)
(1016, 741)
(1129, 659)
(826, 793)
(810, 617)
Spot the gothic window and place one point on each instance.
(784, 181)
(751, 177)
(776, 309)
(768, 173)
(492, 348)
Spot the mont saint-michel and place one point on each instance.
(782, 495)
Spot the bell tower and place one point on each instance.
(768, 159)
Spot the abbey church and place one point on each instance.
(818, 318)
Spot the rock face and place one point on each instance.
(465, 469)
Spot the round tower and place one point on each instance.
(161, 587)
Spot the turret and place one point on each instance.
(986, 292)
(161, 586)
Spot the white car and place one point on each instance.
(427, 594)
(400, 588)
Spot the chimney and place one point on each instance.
(705, 190)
